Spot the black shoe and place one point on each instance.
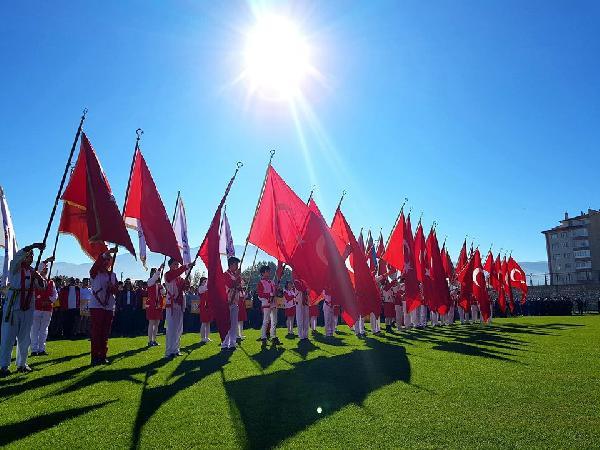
(276, 341)
(34, 354)
(24, 369)
(155, 344)
(44, 353)
(178, 354)
(150, 344)
(4, 372)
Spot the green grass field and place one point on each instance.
(526, 382)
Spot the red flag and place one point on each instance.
(145, 209)
(394, 253)
(88, 189)
(371, 254)
(412, 293)
(367, 292)
(462, 257)
(73, 221)
(361, 242)
(439, 293)
(383, 268)
(490, 267)
(465, 278)
(447, 263)
(280, 219)
(480, 292)
(499, 284)
(517, 278)
(317, 261)
(506, 285)
(420, 259)
(217, 294)
(312, 205)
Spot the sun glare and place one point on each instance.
(277, 58)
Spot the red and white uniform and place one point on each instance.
(328, 314)
(302, 308)
(266, 292)
(175, 306)
(289, 296)
(154, 309)
(388, 302)
(233, 287)
(44, 299)
(102, 307)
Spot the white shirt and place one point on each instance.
(99, 285)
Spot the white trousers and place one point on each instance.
(152, 330)
(269, 315)
(475, 313)
(406, 315)
(450, 315)
(302, 318)
(359, 326)
(461, 315)
(399, 316)
(328, 317)
(375, 327)
(19, 328)
(204, 332)
(422, 315)
(290, 324)
(414, 317)
(231, 336)
(39, 330)
(240, 328)
(435, 317)
(174, 323)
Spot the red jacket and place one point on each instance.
(63, 297)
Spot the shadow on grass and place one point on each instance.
(20, 430)
(274, 407)
(304, 348)
(153, 397)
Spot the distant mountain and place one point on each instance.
(130, 268)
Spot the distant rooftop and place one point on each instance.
(574, 222)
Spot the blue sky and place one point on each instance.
(484, 114)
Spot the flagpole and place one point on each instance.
(172, 222)
(262, 191)
(53, 254)
(58, 194)
(395, 222)
(238, 166)
(139, 133)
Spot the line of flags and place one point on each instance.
(327, 258)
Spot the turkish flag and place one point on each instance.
(317, 261)
(499, 284)
(365, 288)
(506, 285)
(465, 278)
(490, 267)
(462, 257)
(394, 253)
(420, 257)
(216, 292)
(447, 263)
(480, 292)
(89, 190)
(145, 209)
(439, 291)
(280, 219)
(517, 277)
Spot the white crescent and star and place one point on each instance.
(476, 272)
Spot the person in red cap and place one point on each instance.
(102, 305)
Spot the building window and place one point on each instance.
(581, 253)
(563, 235)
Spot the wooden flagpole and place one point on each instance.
(58, 194)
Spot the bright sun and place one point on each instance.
(277, 58)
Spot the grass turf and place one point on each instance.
(525, 382)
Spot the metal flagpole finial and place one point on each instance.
(271, 153)
(139, 133)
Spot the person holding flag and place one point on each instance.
(154, 309)
(17, 311)
(176, 285)
(266, 292)
(206, 313)
(234, 286)
(290, 294)
(302, 308)
(102, 305)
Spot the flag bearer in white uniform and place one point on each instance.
(302, 309)
(266, 294)
(175, 285)
(328, 315)
(17, 313)
(234, 287)
(289, 295)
